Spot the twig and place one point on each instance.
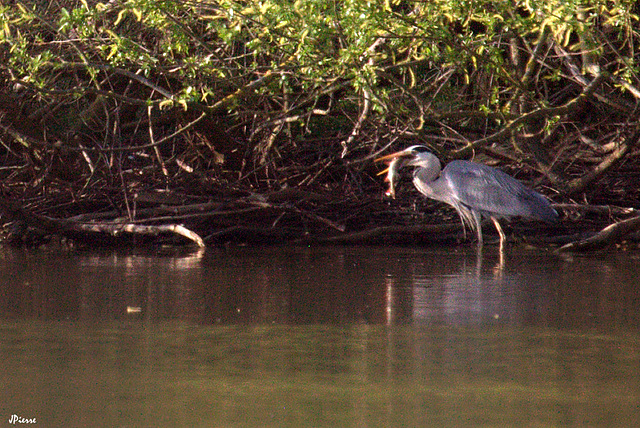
(366, 106)
(367, 95)
(140, 79)
(153, 141)
(259, 201)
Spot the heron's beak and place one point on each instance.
(390, 158)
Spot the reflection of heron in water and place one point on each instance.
(474, 190)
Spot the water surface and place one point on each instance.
(329, 336)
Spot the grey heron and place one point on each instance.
(475, 190)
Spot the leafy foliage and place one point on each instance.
(289, 83)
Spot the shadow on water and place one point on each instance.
(327, 336)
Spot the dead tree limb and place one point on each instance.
(579, 184)
(377, 232)
(136, 229)
(74, 229)
(610, 234)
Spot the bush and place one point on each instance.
(120, 96)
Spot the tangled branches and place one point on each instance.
(104, 104)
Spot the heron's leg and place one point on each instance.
(500, 232)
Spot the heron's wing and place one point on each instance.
(489, 190)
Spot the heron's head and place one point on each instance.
(419, 156)
(427, 166)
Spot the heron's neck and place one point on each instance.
(427, 174)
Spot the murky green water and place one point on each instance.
(335, 337)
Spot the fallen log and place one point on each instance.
(610, 234)
(116, 229)
(369, 235)
(75, 229)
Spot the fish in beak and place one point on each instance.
(394, 162)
